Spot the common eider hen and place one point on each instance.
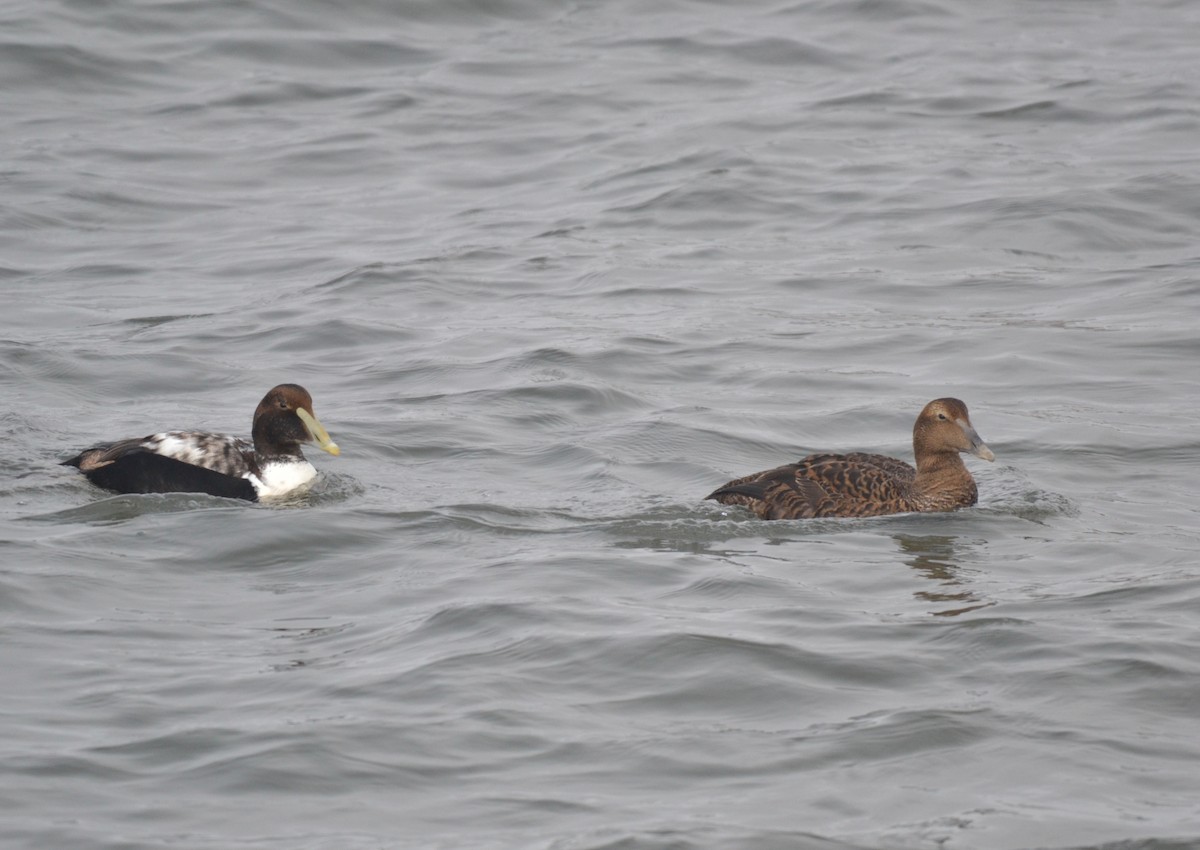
(268, 467)
(862, 485)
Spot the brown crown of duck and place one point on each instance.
(284, 419)
(861, 484)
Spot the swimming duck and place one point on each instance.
(269, 467)
(862, 485)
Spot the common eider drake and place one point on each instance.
(269, 467)
(862, 485)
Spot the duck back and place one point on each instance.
(825, 485)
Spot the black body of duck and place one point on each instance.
(269, 466)
(863, 485)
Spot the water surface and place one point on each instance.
(552, 272)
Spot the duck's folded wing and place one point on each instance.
(726, 492)
(129, 467)
(892, 466)
(782, 493)
(218, 452)
(860, 485)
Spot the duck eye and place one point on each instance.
(942, 417)
(283, 405)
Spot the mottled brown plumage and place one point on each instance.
(861, 485)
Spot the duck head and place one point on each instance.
(284, 419)
(945, 426)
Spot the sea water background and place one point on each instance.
(553, 271)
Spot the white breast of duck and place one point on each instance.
(283, 477)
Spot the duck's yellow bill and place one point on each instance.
(317, 431)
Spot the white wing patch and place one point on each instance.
(218, 452)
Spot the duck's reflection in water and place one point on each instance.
(937, 558)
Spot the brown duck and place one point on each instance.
(860, 484)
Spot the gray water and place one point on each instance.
(552, 272)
